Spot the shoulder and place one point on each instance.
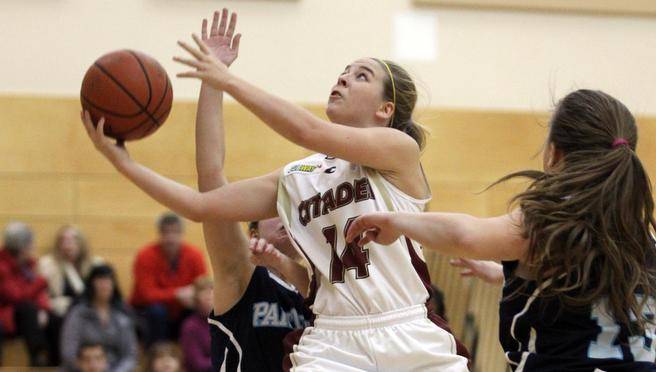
(123, 319)
(148, 251)
(47, 263)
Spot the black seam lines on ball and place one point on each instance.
(127, 92)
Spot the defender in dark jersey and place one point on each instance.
(253, 308)
(579, 257)
(250, 334)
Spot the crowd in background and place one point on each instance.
(70, 312)
(68, 309)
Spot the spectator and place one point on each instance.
(195, 337)
(91, 357)
(66, 267)
(164, 357)
(164, 273)
(100, 318)
(24, 301)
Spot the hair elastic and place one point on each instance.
(620, 142)
(391, 76)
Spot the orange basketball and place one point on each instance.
(130, 90)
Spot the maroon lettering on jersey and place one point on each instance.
(328, 201)
(363, 190)
(304, 213)
(353, 257)
(343, 195)
(315, 201)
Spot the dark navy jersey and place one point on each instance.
(539, 334)
(248, 337)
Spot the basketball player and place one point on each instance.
(253, 308)
(578, 255)
(370, 304)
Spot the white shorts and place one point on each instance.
(397, 341)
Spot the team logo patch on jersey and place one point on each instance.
(303, 168)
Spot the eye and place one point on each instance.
(362, 76)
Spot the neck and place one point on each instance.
(101, 305)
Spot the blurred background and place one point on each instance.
(489, 72)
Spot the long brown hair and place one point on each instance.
(403, 93)
(83, 256)
(589, 221)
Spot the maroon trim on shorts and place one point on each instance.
(294, 337)
(422, 270)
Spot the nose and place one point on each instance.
(341, 81)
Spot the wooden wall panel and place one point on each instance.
(51, 175)
(621, 7)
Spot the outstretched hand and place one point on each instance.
(264, 254)
(208, 67)
(374, 227)
(114, 152)
(222, 42)
(489, 271)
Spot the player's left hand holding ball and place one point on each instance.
(376, 227)
(116, 153)
(209, 69)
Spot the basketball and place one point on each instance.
(130, 90)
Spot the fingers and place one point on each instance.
(224, 21)
(191, 50)
(86, 120)
(467, 272)
(368, 237)
(457, 262)
(203, 29)
(235, 43)
(189, 62)
(232, 25)
(214, 31)
(191, 74)
(201, 44)
(356, 228)
(100, 128)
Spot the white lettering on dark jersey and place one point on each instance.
(271, 314)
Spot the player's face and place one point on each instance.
(93, 359)
(358, 94)
(273, 231)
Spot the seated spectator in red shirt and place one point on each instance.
(24, 301)
(164, 273)
(195, 339)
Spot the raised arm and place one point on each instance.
(247, 200)
(366, 146)
(226, 242)
(454, 234)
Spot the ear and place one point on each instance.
(385, 112)
(553, 156)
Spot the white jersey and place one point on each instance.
(318, 197)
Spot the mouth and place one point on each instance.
(335, 94)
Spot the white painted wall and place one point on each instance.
(296, 48)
